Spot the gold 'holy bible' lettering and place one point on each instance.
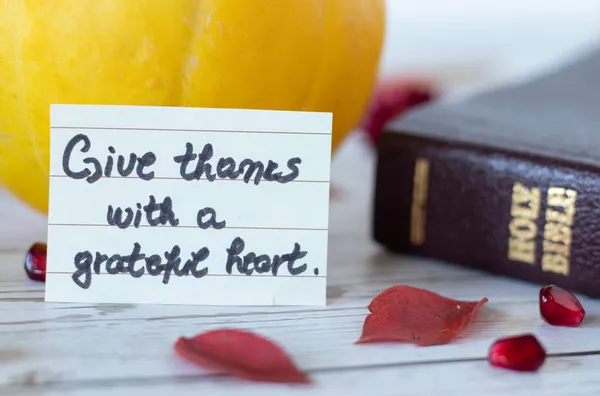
(524, 211)
(557, 232)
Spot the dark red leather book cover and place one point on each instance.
(507, 181)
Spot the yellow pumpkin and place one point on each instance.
(315, 55)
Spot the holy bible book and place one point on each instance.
(506, 181)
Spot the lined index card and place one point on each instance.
(179, 205)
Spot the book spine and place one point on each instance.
(511, 214)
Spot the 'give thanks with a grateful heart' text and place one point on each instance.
(161, 211)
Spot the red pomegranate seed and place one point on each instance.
(559, 307)
(519, 353)
(35, 262)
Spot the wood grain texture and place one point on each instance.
(97, 349)
(449, 378)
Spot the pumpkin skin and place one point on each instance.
(314, 55)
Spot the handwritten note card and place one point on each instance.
(173, 205)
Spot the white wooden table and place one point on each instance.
(89, 349)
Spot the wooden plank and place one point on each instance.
(560, 376)
(108, 342)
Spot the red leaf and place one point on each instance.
(409, 314)
(391, 98)
(242, 354)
